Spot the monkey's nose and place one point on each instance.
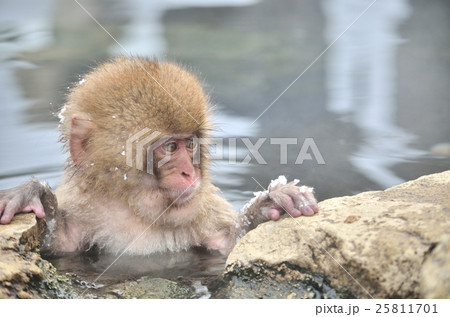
(189, 177)
(186, 174)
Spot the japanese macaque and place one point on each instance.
(169, 205)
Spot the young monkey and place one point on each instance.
(169, 206)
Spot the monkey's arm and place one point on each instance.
(279, 198)
(220, 221)
(26, 197)
(270, 204)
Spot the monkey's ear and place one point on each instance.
(80, 132)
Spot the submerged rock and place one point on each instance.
(378, 244)
(283, 282)
(442, 149)
(154, 288)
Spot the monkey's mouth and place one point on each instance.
(181, 196)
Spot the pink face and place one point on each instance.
(178, 176)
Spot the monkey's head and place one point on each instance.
(128, 108)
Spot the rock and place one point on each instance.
(369, 245)
(19, 266)
(23, 273)
(283, 281)
(435, 274)
(154, 288)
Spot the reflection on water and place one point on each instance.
(103, 273)
(361, 74)
(27, 149)
(187, 264)
(374, 103)
(143, 34)
(226, 174)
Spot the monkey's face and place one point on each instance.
(102, 124)
(176, 167)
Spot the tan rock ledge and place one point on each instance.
(18, 264)
(23, 273)
(381, 244)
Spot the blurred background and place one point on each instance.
(376, 103)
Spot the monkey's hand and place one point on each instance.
(24, 198)
(279, 198)
(287, 197)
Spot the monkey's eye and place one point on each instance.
(190, 144)
(170, 147)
